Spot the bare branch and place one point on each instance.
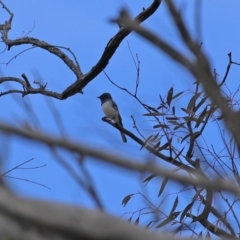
(108, 52)
(81, 79)
(27, 88)
(132, 164)
(29, 219)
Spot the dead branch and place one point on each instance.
(81, 79)
(111, 158)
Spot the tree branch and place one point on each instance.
(111, 158)
(81, 79)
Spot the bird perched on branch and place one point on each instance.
(111, 111)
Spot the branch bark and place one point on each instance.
(81, 79)
(127, 163)
(38, 220)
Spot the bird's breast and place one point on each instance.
(109, 111)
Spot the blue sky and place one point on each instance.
(83, 26)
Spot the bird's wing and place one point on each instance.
(114, 105)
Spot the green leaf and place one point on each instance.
(187, 111)
(169, 219)
(169, 96)
(177, 95)
(192, 101)
(154, 114)
(145, 143)
(161, 125)
(137, 220)
(146, 180)
(167, 144)
(164, 182)
(200, 104)
(126, 199)
(156, 145)
(174, 205)
(172, 118)
(178, 229)
(149, 224)
(175, 215)
(130, 219)
(164, 222)
(154, 138)
(200, 217)
(201, 117)
(174, 122)
(189, 119)
(180, 125)
(188, 135)
(184, 212)
(193, 136)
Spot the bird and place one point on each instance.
(111, 111)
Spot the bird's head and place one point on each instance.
(105, 96)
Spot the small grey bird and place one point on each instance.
(111, 111)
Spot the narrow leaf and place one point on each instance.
(167, 144)
(174, 205)
(201, 117)
(169, 96)
(181, 125)
(177, 95)
(164, 222)
(149, 224)
(144, 144)
(173, 110)
(137, 221)
(188, 135)
(161, 126)
(154, 138)
(173, 122)
(175, 215)
(169, 219)
(162, 106)
(172, 118)
(164, 182)
(157, 145)
(146, 180)
(200, 217)
(187, 111)
(185, 211)
(178, 229)
(192, 101)
(199, 104)
(154, 114)
(189, 119)
(130, 219)
(126, 199)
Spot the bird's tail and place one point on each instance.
(123, 137)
